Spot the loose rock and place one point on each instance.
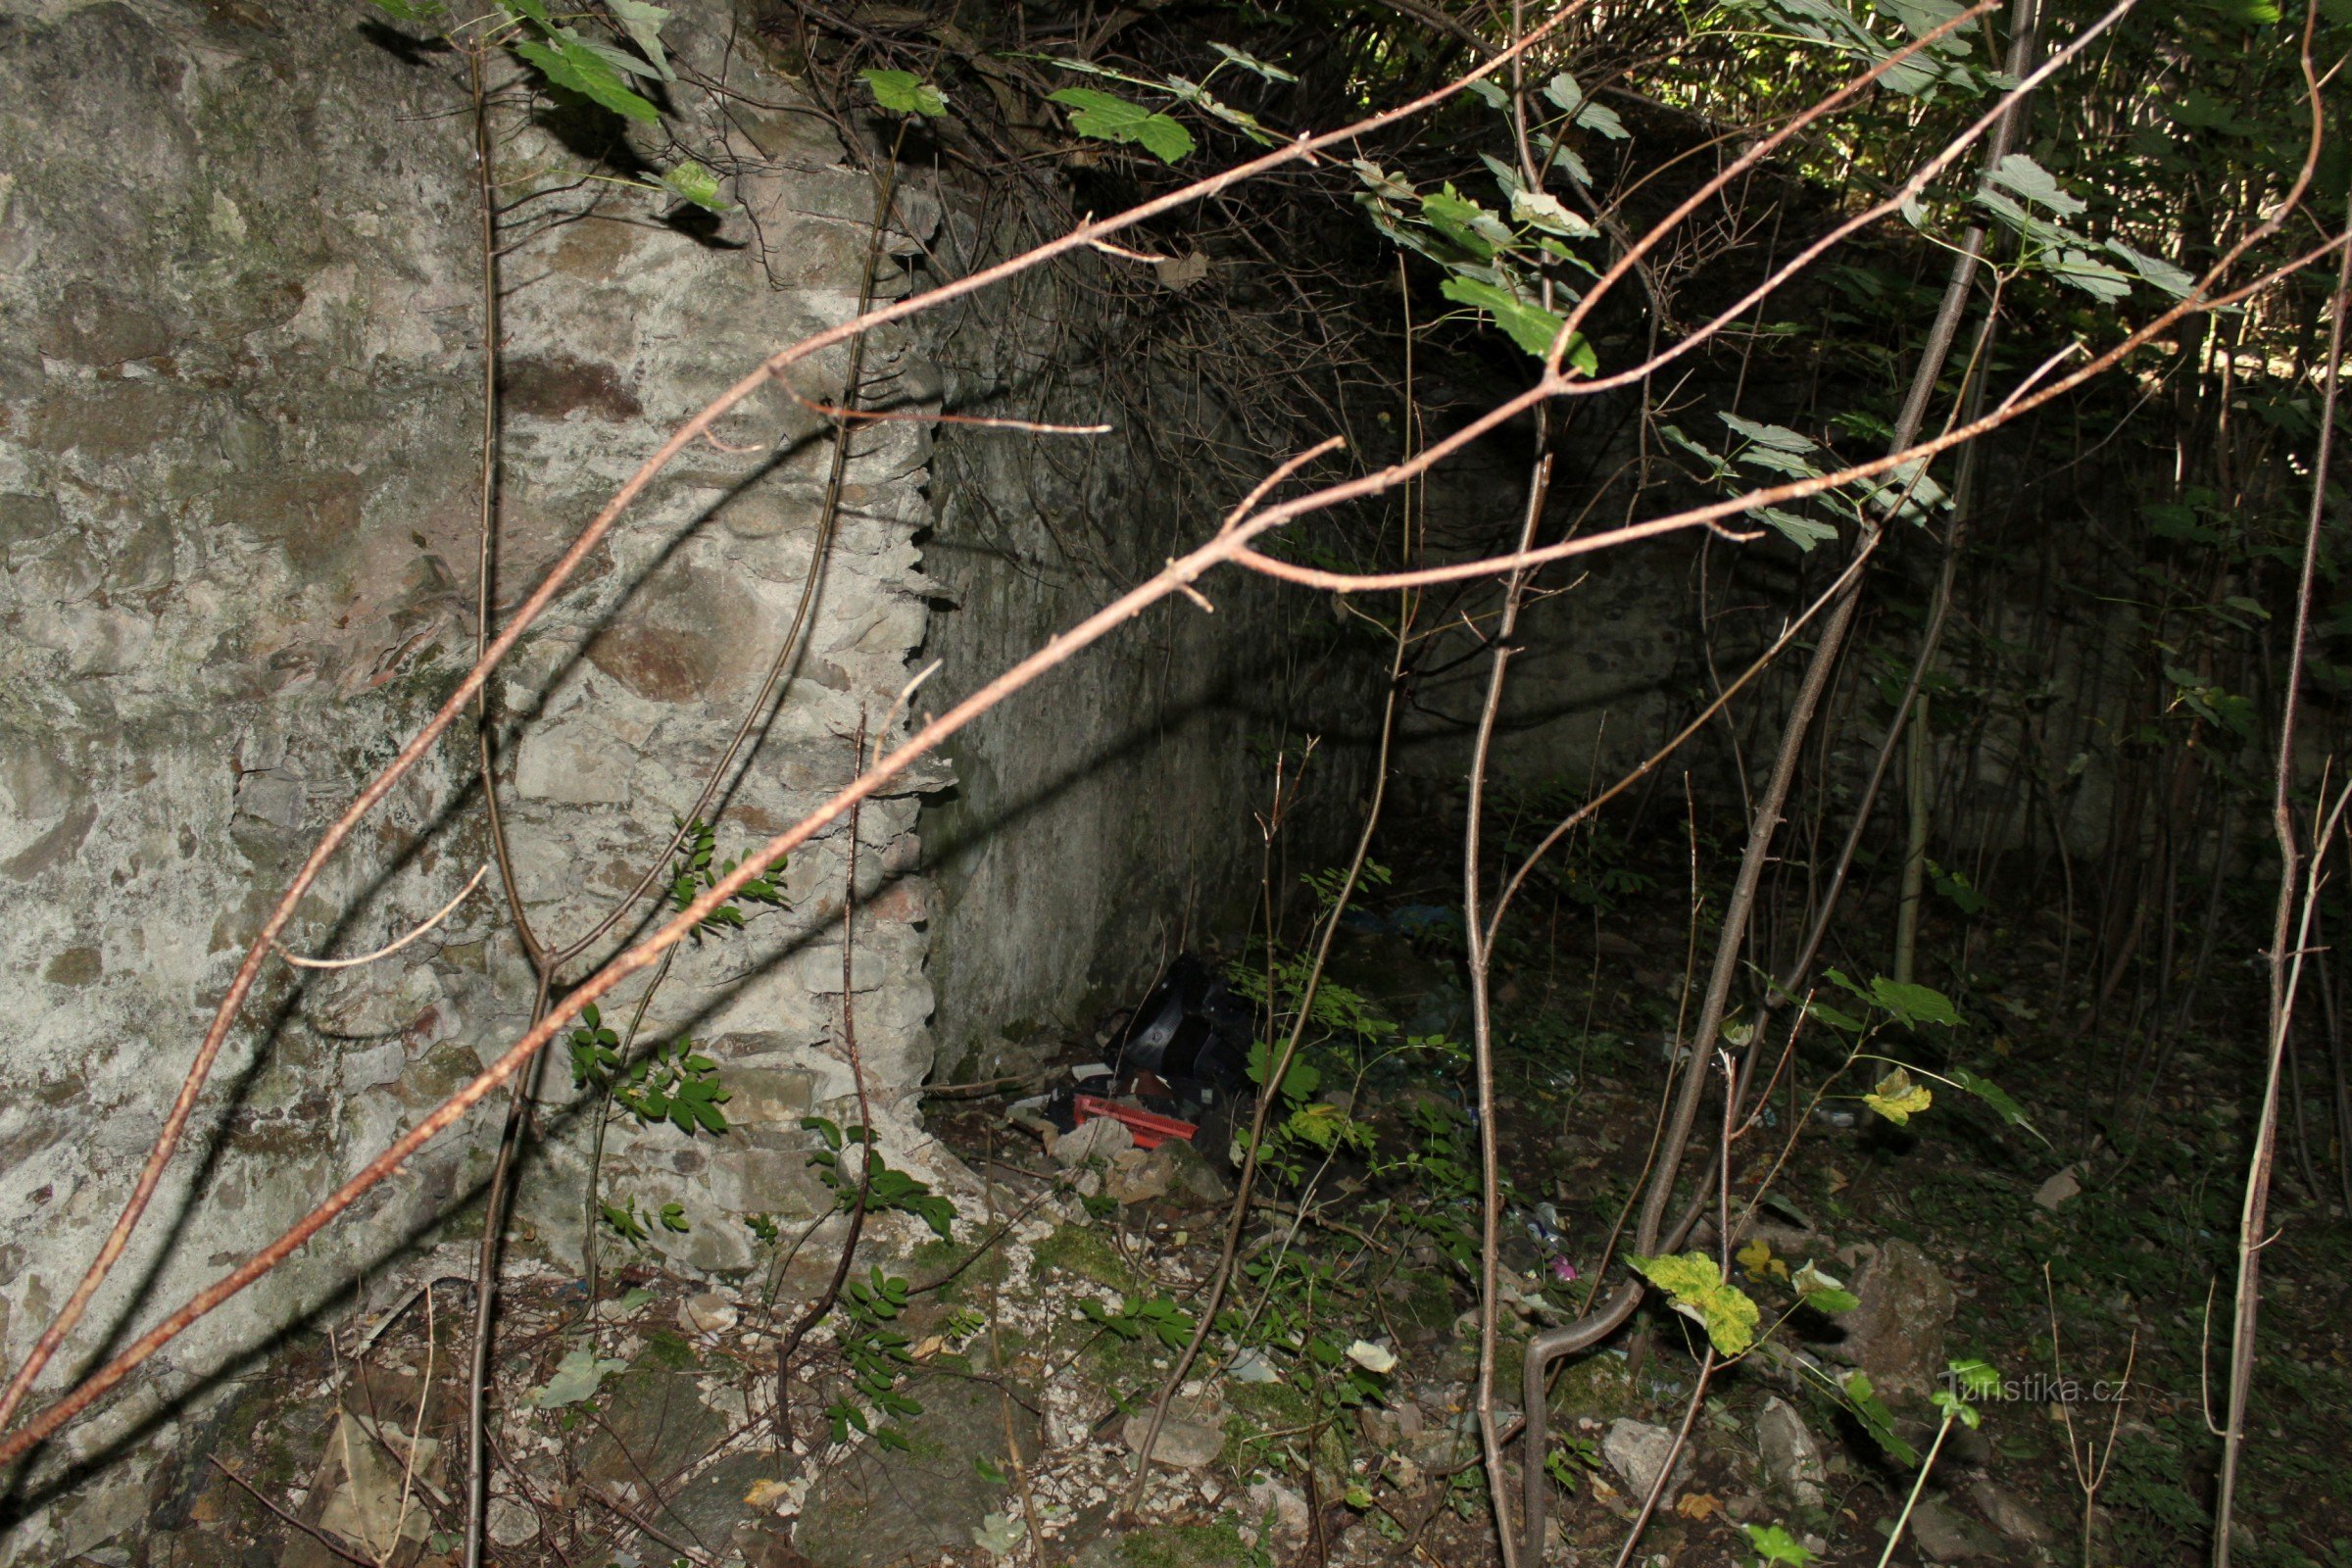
(1099, 1139)
(1791, 1454)
(1183, 1445)
(1638, 1450)
(1896, 1335)
(1943, 1536)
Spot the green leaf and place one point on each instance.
(1824, 1293)
(1601, 120)
(1531, 326)
(1773, 437)
(903, 92)
(987, 1470)
(576, 1378)
(1834, 1018)
(2160, 272)
(1546, 212)
(643, 23)
(415, 11)
(999, 1535)
(698, 185)
(1914, 1005)
(578, 69)
(1299, 1080)
(1774, 1545)
(1803, 532)
(1985, 1089)
(1101, 117)
(1252, 63)
(1898, 1098)
(2035, 183)
(1875, 1418)
(1696, 1287)
(2085, 271)
(1979, 1378)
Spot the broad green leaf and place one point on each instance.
(576, 1378)
(1992, 1095)
(903, 92)
(1776, 437)
(578, 69)
(2081, 270)
(1698, 1290)
(1531, 326)
(1923, 17)
(2040, 230)
(1394, 187)
(1980, 1379)
(643, 23)
(2035, 183)
(1794, 467)
(1898, 1098)
(698, 185)
(1252, 63)
(1834, 1018)
(2158, 271)
(1804, 533)
(1465, 222)
(1601, 120)
(999, 1535)
(1563, 91)
(1875, 1418)
(1490, 95)
(1547, 213)
(1101, 117)
(1774, 1545)
(1824, 1293)
(1914, 1005)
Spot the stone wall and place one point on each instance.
(1107, 818)
(240, 358)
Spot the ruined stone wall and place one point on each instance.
(1108, 818)
(240, 357)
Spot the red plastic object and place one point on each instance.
(1149, 1131)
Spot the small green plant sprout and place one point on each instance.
(1965, 1380)
(763, 1228)
(677, 1084)
(595, 1050)
(1774, 1545)
(885, 1189)
(1138, 1315)
(634, 1227)
(877, 1358)
(1695, 1287)
(1861, 1396)
(694, 875)
(576, 1378)
(1570, 1459)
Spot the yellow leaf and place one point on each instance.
(1697, 1505)
(1898, 1098)
(1755, 1256)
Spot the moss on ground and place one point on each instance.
(1210, 1546)
(1081, 1250)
